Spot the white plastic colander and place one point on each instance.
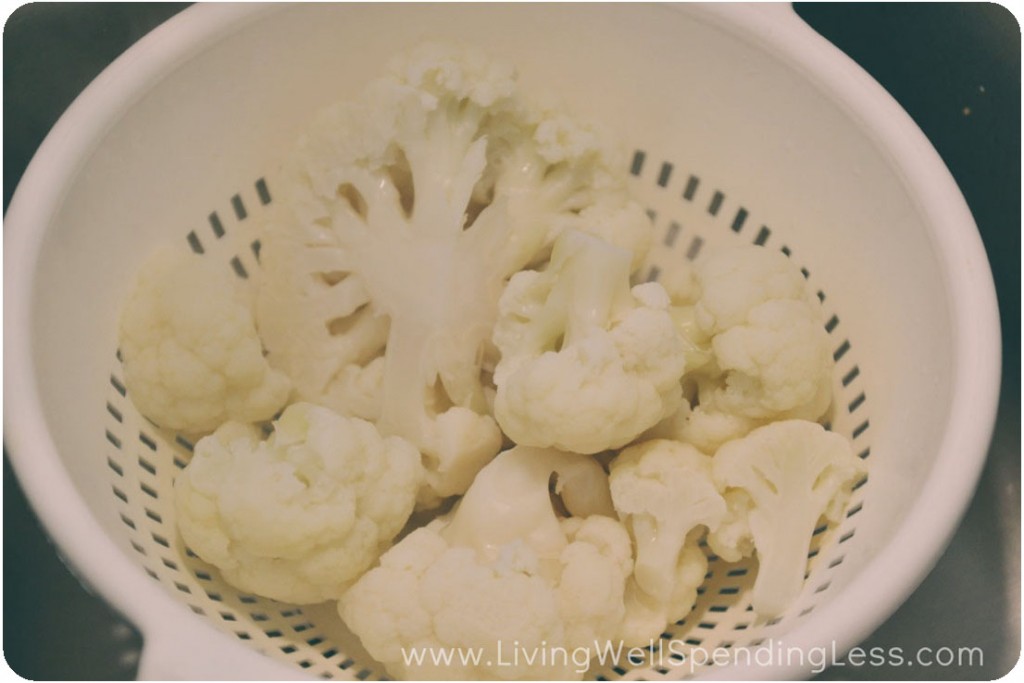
(745, 126)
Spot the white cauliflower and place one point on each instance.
(696, 343)
(316, 323)
(681, 284)
(777, 365)
(766, 335)
(733, 282)
(702, 428)
(683, 289)
(779, 480)
(192, 358)
(545, 168)
(663, 491)
(302, 515)
(647, 616)
(503, 572)
(445, 257)
(410, 207)
(732, 540)
(586, 363)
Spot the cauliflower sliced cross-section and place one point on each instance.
(587, 364)
(504, 573)
(300, 516)
(779, 480)
(410, 207)
(317, 323)
(664, 493)
(192, 357)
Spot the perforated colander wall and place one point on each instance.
(142, 460)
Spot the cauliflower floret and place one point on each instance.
(455, 445)
(647, 616)
(702, 428)
(302, 515)
(357, 390)
(502, 573)
(777, 365)
(408, 210)
(192, 358)
(564, 177)
(681, 284)
(663, 491)
(696, 344)
(770, 350)
(792, 473)
(683, 289)
(735, 281)
(732, 540)
(510, 500)
(587, 365)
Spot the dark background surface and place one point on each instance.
(954, 67)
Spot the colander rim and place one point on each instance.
(856, 610)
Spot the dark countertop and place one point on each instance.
(954, 67)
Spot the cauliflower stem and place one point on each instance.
(792, 473)
(587, 363)
(419, 201)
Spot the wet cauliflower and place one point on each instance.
(756, 347)
(504, 571)
(302, 515)
(587, 364)
(767, 337)
(664, 493)
(409, 207)
(779, 480)
(447, 271)
(192, 359)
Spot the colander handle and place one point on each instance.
(189, 650)
(780, 16)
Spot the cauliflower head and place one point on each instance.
(779, 480)
(408, 210)
(192, 357)
(770, 350)
(297, 517)
(491, 578)
(586, 363)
